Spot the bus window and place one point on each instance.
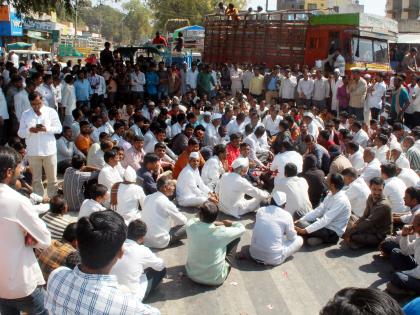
(380, 51)
(362, 49)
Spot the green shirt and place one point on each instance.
(403, 99)
(205, 81)
(207, 250)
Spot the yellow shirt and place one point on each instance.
(257, 85)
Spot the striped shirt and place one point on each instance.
(413, 155)
(75, 292)
(73, 187)
(56, 224)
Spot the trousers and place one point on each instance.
(49, 164)
(326, 235)
(31, 304)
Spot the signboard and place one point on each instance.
(39, 25)
(12, 27)
(4, 13)
(55, 36)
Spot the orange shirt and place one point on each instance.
(83, 143)
(182, 162)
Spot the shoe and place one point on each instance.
(394, 290)
(314, 241)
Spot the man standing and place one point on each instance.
(409, 63)
(287, 88)
(357, 89)
(400, 99)
(256, 86)
(236, 75)
(211, 246)
(192, 77)
(38, 126)
(271, 84)
(328, 222)
(375, 223)
(21, 231)
(305, 88)
(321, 91)
(377, 96)
(106, 57)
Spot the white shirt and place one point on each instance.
(236, 77)
(68, 98)
(333, 214)
(361, 138)
(101, 85)
(130, 268)
(356, 160)
(41, 143)
(211, 172)
(138, 80)
(255, 147)
(382, 153)
(108, 176)
(272, 125)
(190, 185)
(233, 127)
(211, 135)
(66, 149)
(402, 161)
(306, 87)
(20, 273)
(335, 84)
(176, 129)
(21, 103)
(287, 88)
(371, 170)
(415, 101)
(191, 79)
(321, 89)
(246, 78)
(358, 192)
(280, 161)
(160, 214)
(394, 190)
(88, 207)
(47, 94)
(129, 197)
(137, 130)
(95, 156)
(313, 129)
(409, 177)
(296, 189)
(375, 97)
(273, 226)
(231, 190)
(15, 60)
(57, 92)
(4, 113)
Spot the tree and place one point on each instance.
(40, 6)
(193, 10)
(138, 21)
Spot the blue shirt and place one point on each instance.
(272, 84)
(413, 307)
(152, 82)
(83, 90)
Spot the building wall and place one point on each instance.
(403, 9)
(290, 4)
(346, 6)
(316, 4)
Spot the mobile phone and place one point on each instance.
(39, 126)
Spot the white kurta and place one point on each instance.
(108, 176)
(190, 188)
(358, 192)
(274, 237)
(232, 189)
(159, 214)
(280, 161)
(409, 177)
(211, 135)
(372, 169)
(382, 153)
(129, 198)
(296, 190)
(88, 207)
(394, 190)
(211, 172)
(335, 84)
(356, 160)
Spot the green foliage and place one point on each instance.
(41, 6)
(193, 10)
(138, 21)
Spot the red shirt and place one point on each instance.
(232, 154)
(160, 41)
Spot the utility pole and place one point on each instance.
(266, 5)
(75, 22)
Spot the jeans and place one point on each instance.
(326, 235)
(31, 304)
(388, 246)
(404, 281)
(163, 91)
(375, 112)
(399, 261)
(154, 277)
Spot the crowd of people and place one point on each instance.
(318, 157)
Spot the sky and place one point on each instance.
(371, 6)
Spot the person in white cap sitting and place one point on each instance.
(274, 238)
(309, 120)
(233, 187)
(211, 136)
(190, 188)
(126, 197)
(397, 155)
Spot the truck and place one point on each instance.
(297, 37)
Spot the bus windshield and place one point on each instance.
(369, 50)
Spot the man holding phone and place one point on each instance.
(38, 126)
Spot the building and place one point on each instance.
(290, 4)
(316, 4)
(403, 9)
(346, 6)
